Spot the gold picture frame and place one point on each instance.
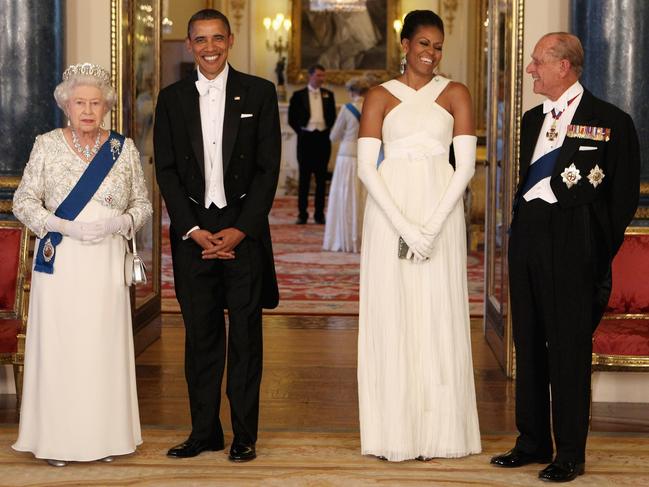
(369, 47)
(135, 67)
(504, 114)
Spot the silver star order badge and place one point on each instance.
(595, 176)
(570, 175)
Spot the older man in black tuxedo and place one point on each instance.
(578, 190)
(217, 152)
(312, 113)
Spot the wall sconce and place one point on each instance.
(275, 29)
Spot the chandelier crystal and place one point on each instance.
(338, 5)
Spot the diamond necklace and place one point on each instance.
(86, 151)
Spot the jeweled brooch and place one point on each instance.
(115, 146)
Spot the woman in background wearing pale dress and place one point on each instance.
(415, 375)
(79, 394)
(346, 201)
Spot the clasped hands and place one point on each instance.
(219, 245)
(421, 240)
(90, 232)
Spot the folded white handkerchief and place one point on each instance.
(246, 115)
(587, 147)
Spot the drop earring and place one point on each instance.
(402, 64)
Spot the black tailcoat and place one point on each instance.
(560, 273)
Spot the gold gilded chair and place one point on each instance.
(14, 242)
(621, 341)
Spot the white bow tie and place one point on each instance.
(203, 86)
(558, 106)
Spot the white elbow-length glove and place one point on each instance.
(368, 152)
(465, 148)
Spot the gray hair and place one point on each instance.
(64, 90)
(568, 46)
(360, 85)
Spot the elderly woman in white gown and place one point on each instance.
(83, 194)
(346, 195)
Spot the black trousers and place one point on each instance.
(313, 151)
(205, 288)
(552, 267)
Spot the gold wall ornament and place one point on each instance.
(237, 7)
(449, 12)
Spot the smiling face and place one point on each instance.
(86, 108)
(548, 72)
(210, 41)
(424, 49)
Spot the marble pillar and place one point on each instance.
(615, 37)
(31, 63)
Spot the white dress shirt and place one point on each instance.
(542, 189)
(212, 106)
(316, 119)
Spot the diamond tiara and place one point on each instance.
(87, 69)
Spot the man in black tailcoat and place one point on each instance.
(578, 190)
(312, 113)
(217, 153)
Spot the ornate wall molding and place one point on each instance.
(237, 7)
(449, 12)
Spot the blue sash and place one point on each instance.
(541, 169)
(354, 111)
(79, 197)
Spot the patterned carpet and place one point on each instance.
(311, 281)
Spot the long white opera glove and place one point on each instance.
(464, 147)
(82, 231)
(368, 152)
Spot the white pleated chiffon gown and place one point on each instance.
(415, 372)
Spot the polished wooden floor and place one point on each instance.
(309, 381)
(308, 424)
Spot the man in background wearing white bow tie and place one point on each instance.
(579, 183)
(217, 154)
(312, 113)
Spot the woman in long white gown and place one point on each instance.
(79, 394)
(346, 201)
(415, 373)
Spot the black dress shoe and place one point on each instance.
(191, 448)
(242, 453)
(517, 458)
(319, 220)
(562, 471)
(300, 220)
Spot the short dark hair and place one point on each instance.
(419, 18)
(312, 69)
(207, 14)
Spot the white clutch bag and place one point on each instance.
(134, 268)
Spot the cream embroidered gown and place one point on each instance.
(79, 394)
(415, 373)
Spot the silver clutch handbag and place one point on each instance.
(134, 268)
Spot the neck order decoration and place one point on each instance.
(553, 133)
(87, 152)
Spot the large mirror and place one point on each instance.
(135, 63)
(505, 67)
